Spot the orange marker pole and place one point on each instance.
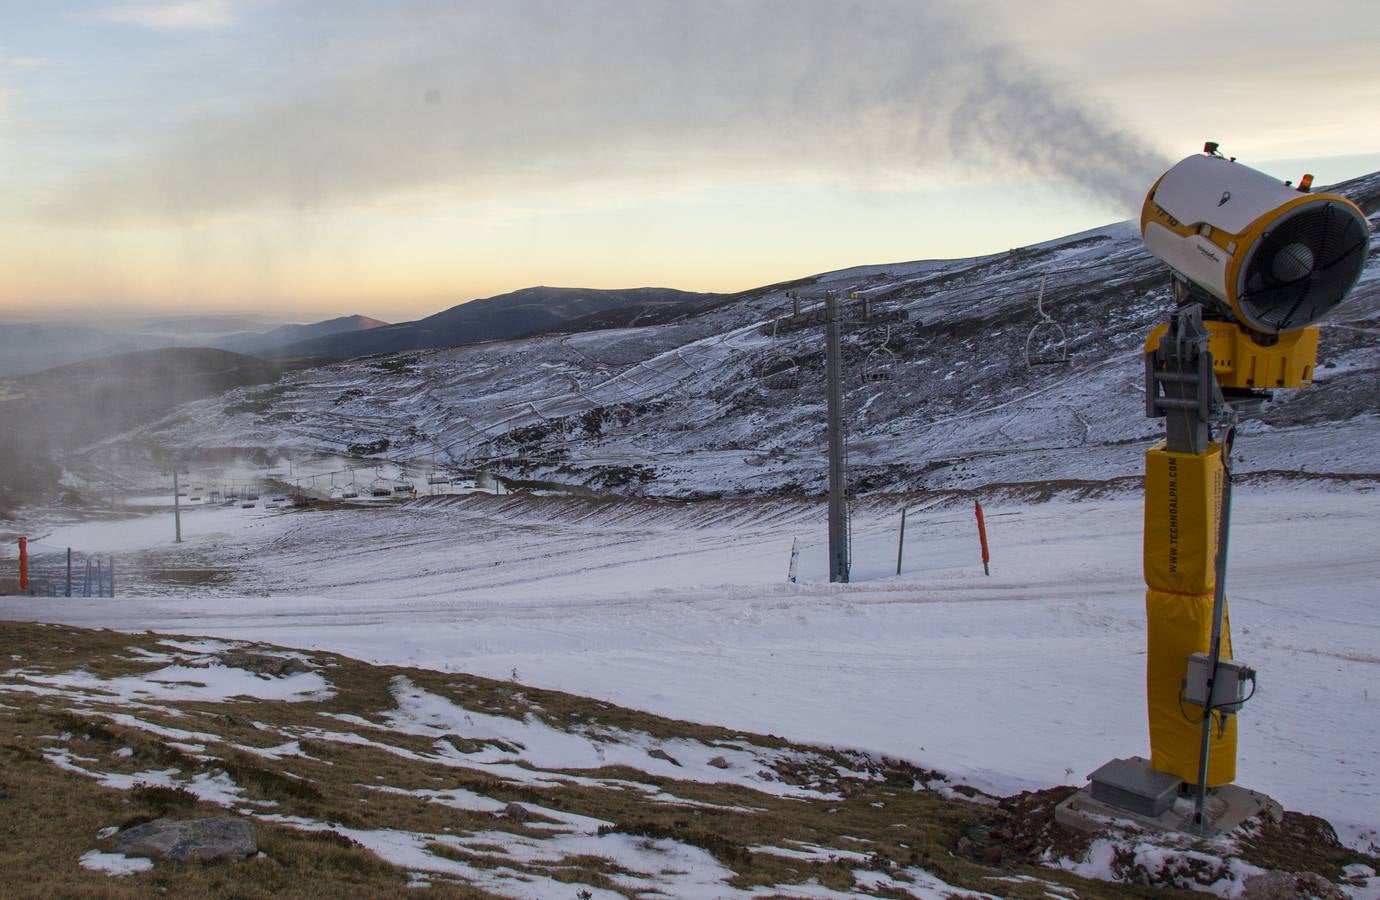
(982, 537)
(23, 564)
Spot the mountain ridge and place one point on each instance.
(260, 343)
(514, 314)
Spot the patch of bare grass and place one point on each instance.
(853, 812)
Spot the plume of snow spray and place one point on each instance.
(493, 99)
(1010, 114)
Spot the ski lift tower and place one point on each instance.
(839, 551)
(178, 470)
(778, 372)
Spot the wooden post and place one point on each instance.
(23, 564)
(69, 571)
(982, 538)
(901, 541)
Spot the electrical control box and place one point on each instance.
(1228, 690)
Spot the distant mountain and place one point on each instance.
(27, 347)
(264, 343)
(521, 313)
(212, 324)
(72, 405)
(34, 346)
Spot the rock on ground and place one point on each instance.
(222, 837)
(1290, 885)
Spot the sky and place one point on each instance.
(305, 158)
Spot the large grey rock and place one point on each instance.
(263, 663)
(1290, 886)
(222, 837)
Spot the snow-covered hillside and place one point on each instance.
(684, 408)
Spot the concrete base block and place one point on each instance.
(1227, 808)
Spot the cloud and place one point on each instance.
(182, 15)
(477, 101)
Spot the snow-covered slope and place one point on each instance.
(1028, 678)
(684, 408)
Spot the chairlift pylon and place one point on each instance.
(1047, 344)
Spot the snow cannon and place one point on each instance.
(1266, 259)
(1256, 263)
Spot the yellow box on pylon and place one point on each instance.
(1183, 497)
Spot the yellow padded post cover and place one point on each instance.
(1183, 496)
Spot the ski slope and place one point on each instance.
(1024, 679)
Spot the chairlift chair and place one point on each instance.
(1047, 344)
(380, 488)
(878, 366)
(779, 373)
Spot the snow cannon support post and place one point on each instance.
(23, 565)
(982, 537)
(1184, 477)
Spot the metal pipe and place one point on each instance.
(901, 541)
(1219, 606)
(177, 507)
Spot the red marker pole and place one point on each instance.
(982, 537)
(23, 564)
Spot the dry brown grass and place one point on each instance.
(53, 816)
